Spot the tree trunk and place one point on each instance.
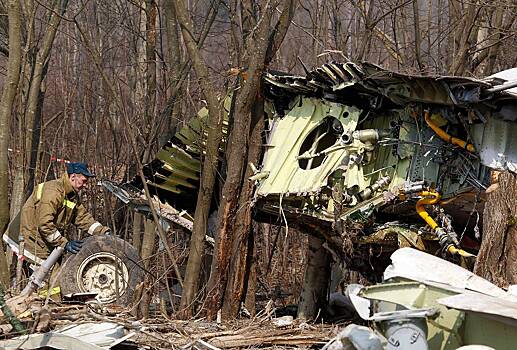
(242, 248)
(260, 45)
(148, 243)
(465, 38)
(236, 161)
(137, 231)
(250, 287)
(149, 98)
(315, 283)
(174, 70)
(34, 150)
(6, 107)
(150, 76)
(497, 258)
(35, 96)
(215, 120)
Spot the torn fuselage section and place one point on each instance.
(386, 160)
(370, 160)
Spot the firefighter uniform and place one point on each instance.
(48, 214)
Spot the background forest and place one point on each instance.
(108, 82)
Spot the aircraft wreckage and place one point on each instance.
(397, 160)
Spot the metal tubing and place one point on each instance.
(37, 278)
(19, 263)
(453, 250)
(370, 135)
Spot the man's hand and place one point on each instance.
(73, 246)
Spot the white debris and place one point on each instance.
(355, 337)
(86, 336)
(361, 305)
(283, 321)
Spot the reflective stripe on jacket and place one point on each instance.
(49, 212)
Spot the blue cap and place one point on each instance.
(78, 168)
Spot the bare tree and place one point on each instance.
(214, 126)
(36, 70)
(254, 51)
(6, 109)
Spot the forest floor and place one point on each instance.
(159, 332)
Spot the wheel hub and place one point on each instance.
(104, 274)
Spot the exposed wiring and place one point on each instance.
(474, 210)
(281, 208)
(419, 134)
(282, 214)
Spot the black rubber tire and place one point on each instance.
(109, 244)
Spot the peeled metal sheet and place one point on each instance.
(415, 265)
(502, 309)
(47, 340)
(508, 76)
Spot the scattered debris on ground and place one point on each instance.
(423, 303)
(92, 326)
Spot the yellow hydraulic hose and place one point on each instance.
(446, 137)
(428, 197)
(453, 250)
(432, 197)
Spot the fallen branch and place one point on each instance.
(285, 337)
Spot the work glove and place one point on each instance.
(73, 246)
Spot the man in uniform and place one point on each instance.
(51, 210)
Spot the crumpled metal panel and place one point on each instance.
(367, 78)
(175, 171)
(503, 309)
(400, 89)
(411, 264)
(507, 75)
(469, 309)
(496, 142)
(290, 131)
(442, 332)
(86, 336)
